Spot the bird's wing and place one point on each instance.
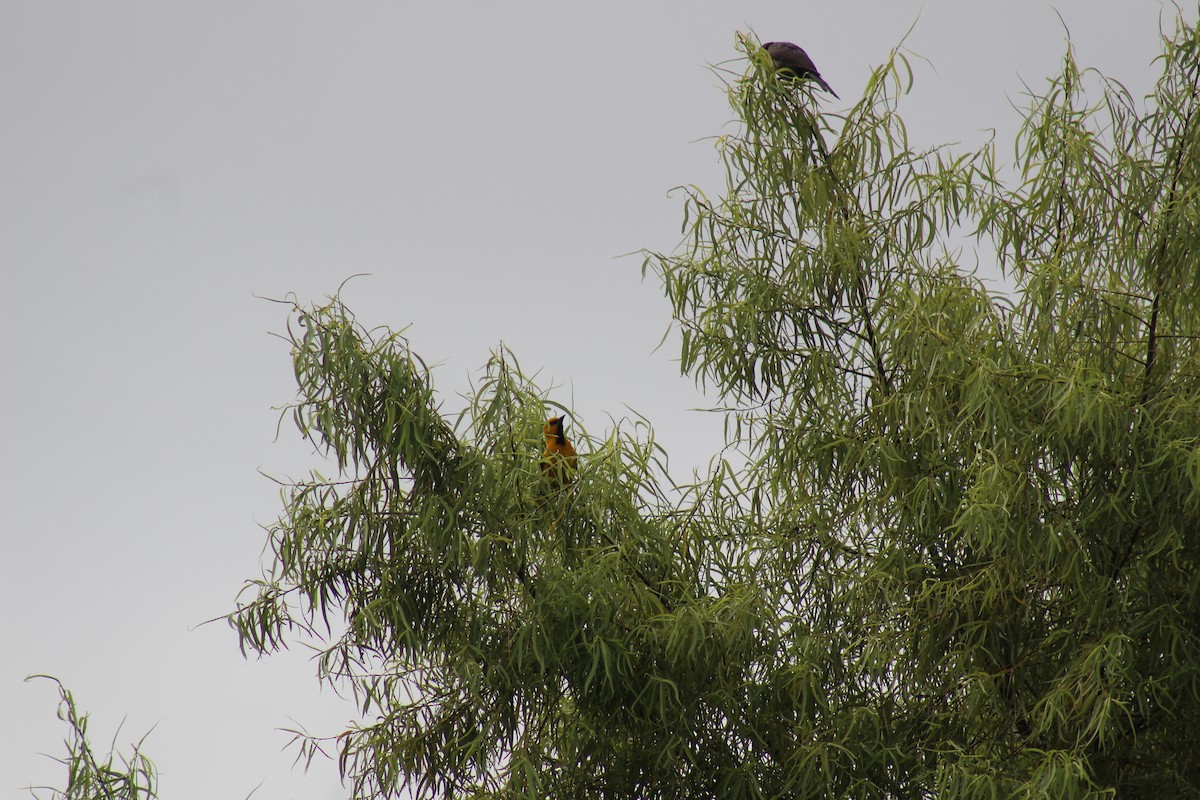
(793, 57)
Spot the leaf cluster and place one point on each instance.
(91, 776)
(961, 558)
(993, 497)
(503, 634)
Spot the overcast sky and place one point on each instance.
(489, 164)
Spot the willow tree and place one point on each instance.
(960, 559)
(90, 774)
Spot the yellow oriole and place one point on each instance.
(559, 462)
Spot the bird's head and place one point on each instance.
(553, 429)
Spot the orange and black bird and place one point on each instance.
(559, 462)
(791, 61)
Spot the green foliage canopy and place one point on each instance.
(961, 561)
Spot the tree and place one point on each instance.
(961, 559)
(94, 777)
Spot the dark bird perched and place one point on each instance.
(792, 59)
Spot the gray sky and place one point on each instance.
(163, 163)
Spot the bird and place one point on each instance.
(559, 461)
(790, 58)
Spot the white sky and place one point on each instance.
(163, 163)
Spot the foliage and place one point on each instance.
(485, 611)
(962, 561)
(94, 777)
